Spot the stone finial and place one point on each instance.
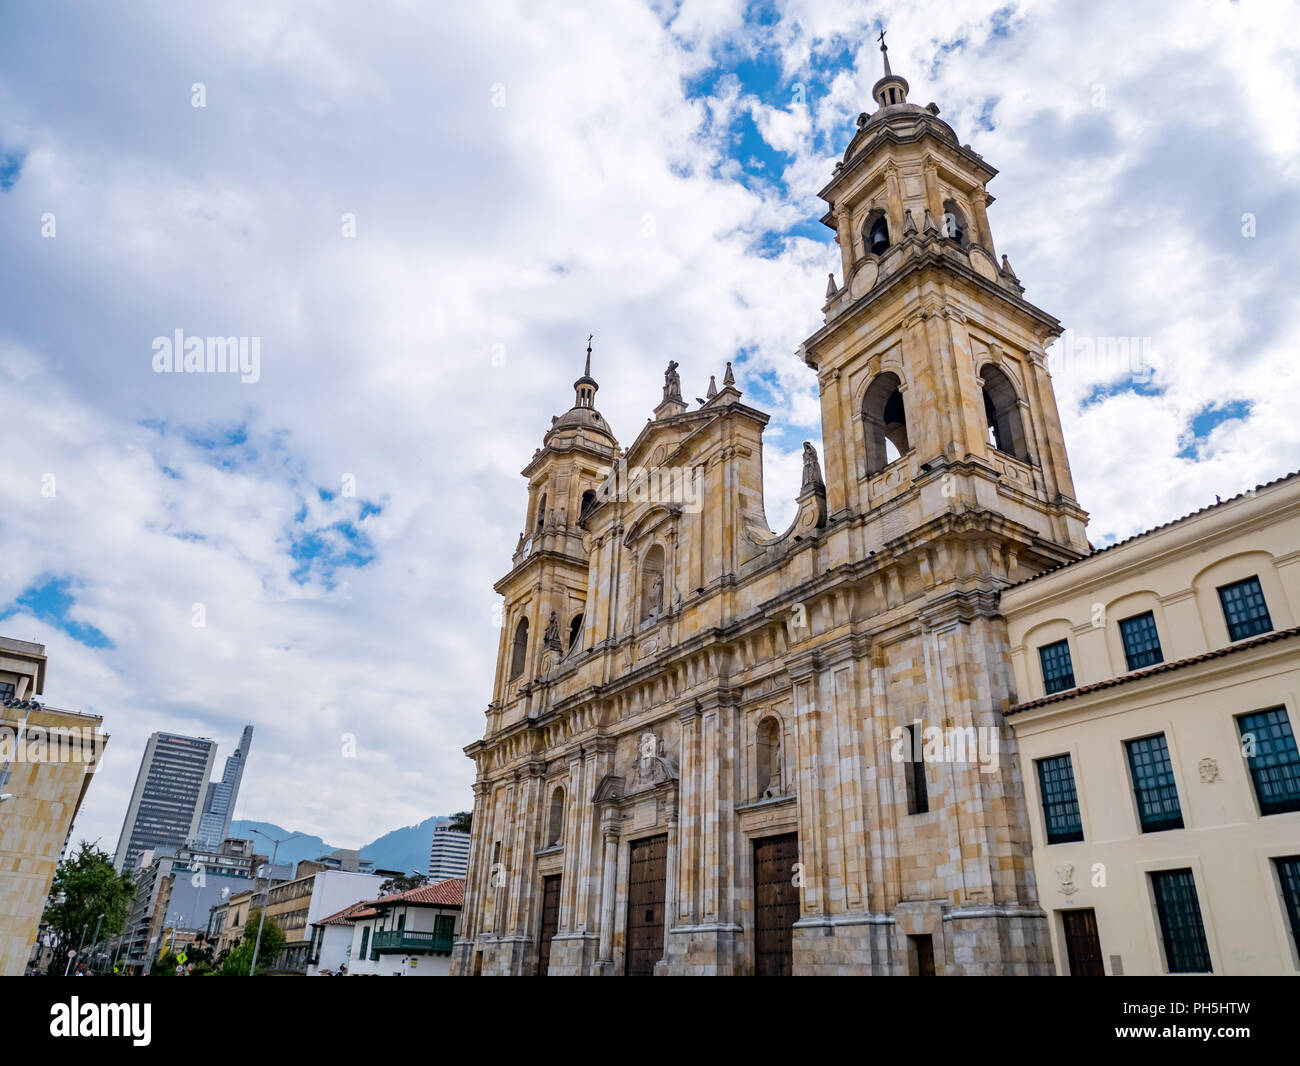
(909, 223)
(831, 288)
(1006, 268)
(928, 227)
(713, 388)
(728, 378)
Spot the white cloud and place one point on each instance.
(601, 198)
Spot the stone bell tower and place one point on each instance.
(931, 362)
(946, 479)
(546, 588)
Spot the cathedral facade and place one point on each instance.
(717, 749)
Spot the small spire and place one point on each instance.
(713, 388)
(584, 389)
(884, 51)
(728, 378)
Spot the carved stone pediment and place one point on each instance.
(610, 790)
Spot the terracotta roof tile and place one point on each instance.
(345, 916)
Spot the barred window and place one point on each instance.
(1180, 921)
(1058, 671)
(1244, 609)
(1060, 801)
(1153, 784)
(1270, 750)
(1141, 641)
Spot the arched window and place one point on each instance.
(541, 513)
(652, 583)
(884, 422)
(519, 649)
(575, 629)
(877, 233)
(555, 827)
(588, 502)
(954, 223)
(768, 759)
(1002, 409)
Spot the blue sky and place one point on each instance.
(517, 177)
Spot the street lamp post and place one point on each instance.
(261, 919)
(94, 940)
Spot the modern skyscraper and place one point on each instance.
(219, 804)
(167, 800)
(449, 853)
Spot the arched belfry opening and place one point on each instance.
(519, 649)
(884, 422)
(877, 233)
(575, 629)
(955, 227)
(1002, 410)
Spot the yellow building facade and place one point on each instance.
(1156, 728)
(47, 758)
(713, 748)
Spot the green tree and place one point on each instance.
(402, 883)
(85, 887)
(460, 821)
(237, 961)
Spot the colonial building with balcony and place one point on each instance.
(408, 934)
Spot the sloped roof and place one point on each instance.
(345, 916)
(449, 893)
(1156, 529)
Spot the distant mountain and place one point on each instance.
(291, 851)
(404, 849)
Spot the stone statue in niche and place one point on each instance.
(776, 778)
(552, 639)
(656, 596)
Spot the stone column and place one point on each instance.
(670, 887)
(689, 813)
(608, 888)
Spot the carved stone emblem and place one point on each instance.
(1209, 770)
(1065, 874)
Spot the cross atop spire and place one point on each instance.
(890, 89)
